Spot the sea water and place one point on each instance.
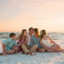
(5, 35)
(53, 35)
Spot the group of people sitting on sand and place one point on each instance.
(28, 43)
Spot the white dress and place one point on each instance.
(47, 43)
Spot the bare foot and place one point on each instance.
(61, 50)
(4, 54)
(31, 53)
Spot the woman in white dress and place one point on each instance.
(48, 44)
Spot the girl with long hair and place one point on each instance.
(22, 42)
(36, 40)
(48, 44)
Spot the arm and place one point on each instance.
(51, 40)
(19, 44)
(4, 49)
(4, 42)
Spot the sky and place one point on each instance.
(16, 15)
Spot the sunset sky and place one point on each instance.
(43, 14)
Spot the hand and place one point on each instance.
(19, 44)
(53, 42)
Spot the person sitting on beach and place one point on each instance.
(10, 45)
(36, 40)
(23, 43)
(48, 44)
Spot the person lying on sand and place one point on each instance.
(48, 44)
(10, 46)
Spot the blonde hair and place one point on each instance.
(37, 31)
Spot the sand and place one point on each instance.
(38, 58)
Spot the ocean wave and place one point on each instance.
(54, 36)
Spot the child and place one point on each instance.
(10, 46)
(48, 44)
(23, 43)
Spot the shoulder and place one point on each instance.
(10, 39)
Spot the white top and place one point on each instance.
(29, 39)
(47, 43)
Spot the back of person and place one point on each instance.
(9, 43)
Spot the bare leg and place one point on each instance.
(58, 46)
(54, 49)
(40, 50)
(11, 52)
(15, 48)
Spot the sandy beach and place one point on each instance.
(38, 58)
(25, 18)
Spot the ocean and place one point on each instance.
(5, 35)
(53, 35)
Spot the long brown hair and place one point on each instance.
(43, 32)
(37, 31)
(22, 34)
